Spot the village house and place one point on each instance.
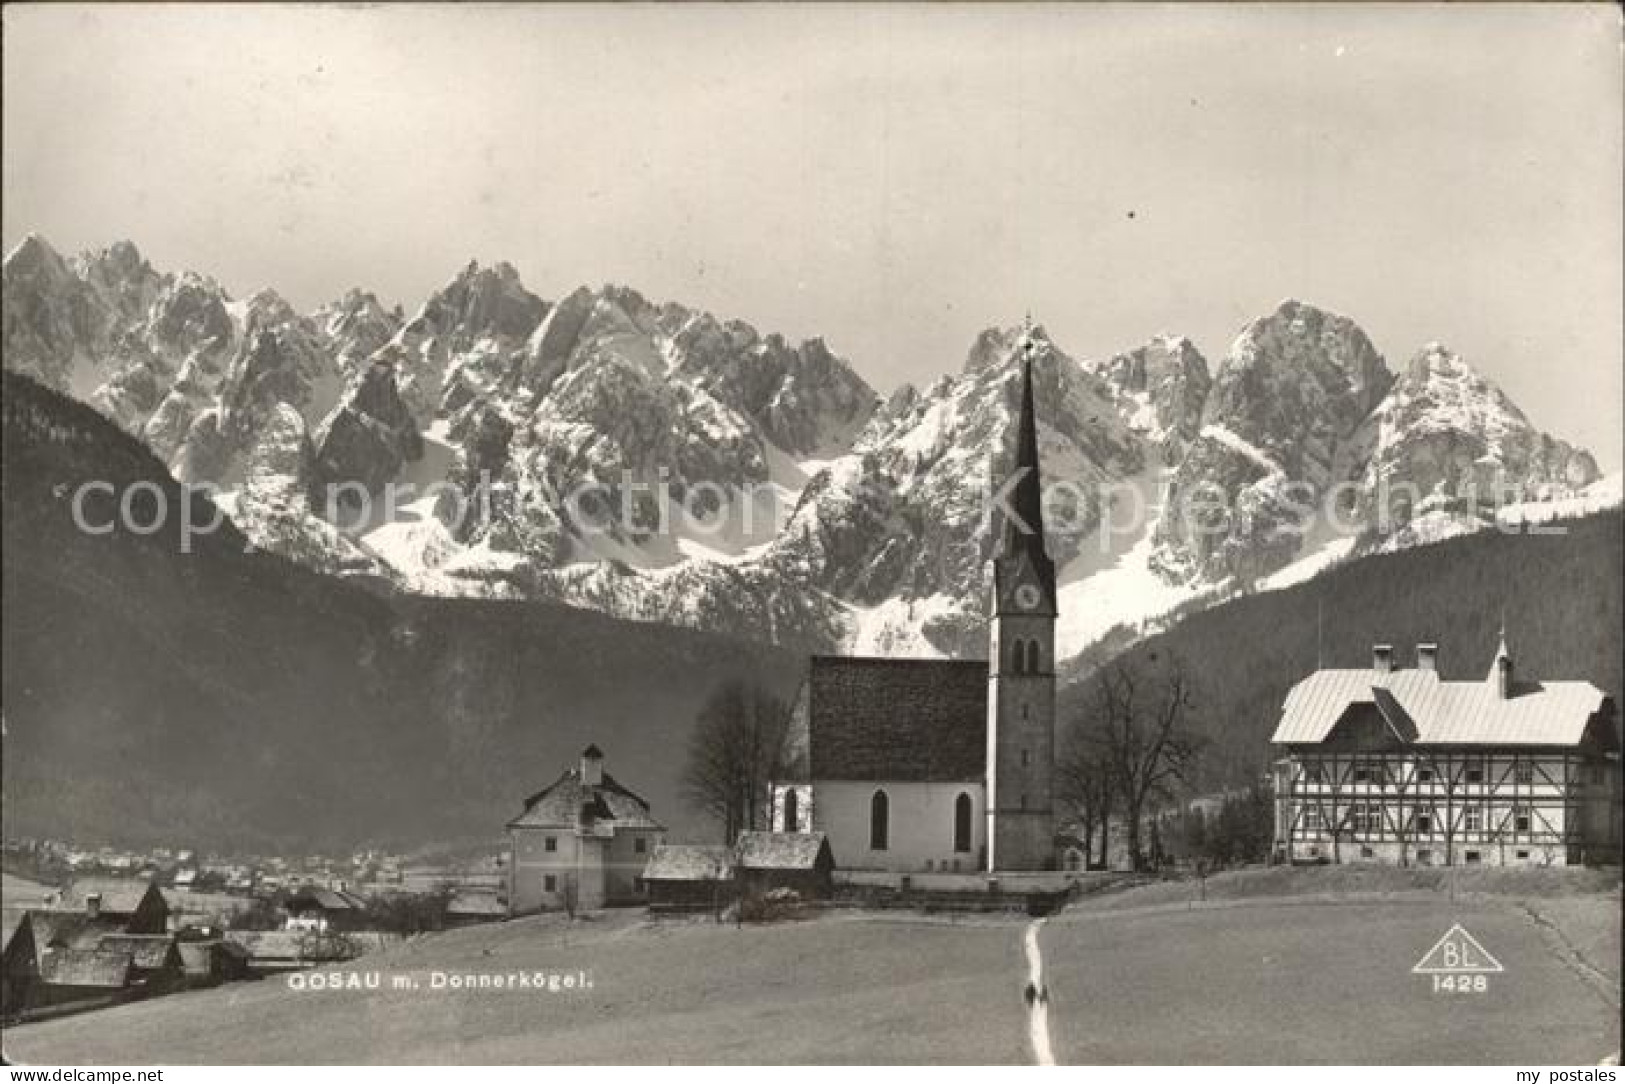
(937, 765)
(471, 907)
(582, 842)
(136, 906)
(19, 959)
(1401, 766)
(101, 940)
(798, 861)
(689, 877)
(318, 909)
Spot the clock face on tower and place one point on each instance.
(1028, 597)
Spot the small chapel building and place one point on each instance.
(942, 765)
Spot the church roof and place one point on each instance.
(904, 720)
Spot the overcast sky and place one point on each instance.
(891, 178)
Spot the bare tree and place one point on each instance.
(734, 753)
(1142, 727)
(1083, 781)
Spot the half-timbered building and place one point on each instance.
(1400, 766)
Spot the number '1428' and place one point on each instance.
(1460, 984)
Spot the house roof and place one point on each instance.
(779, 850)
(147, 951)
(120, 895)
(568, 803)
(272, 945)
(20, 892)
(689, 862)
(905, 720)
(85, 967)
(1428, 711)
(71, 929)
(327, 899)
(12, 919)
(476, 903)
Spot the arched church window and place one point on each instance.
(1032, 656)
(879, 821)
(1018, 656)
(790, 811)
(962, 822)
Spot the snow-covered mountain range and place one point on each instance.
(664, 464)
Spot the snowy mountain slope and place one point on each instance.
(661, 463)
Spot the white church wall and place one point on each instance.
(920, 833)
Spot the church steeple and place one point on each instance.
(1021, 660)
(1021, 552)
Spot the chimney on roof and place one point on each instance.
(1382, 658)
(93, 904)
(1427, 657)
(1501, 669)
(592, 767)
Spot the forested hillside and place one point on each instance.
(227, 698)
(1560, 595)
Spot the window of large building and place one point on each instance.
(879, 821)
(639, 845)
(1424, 774)
(550, 883)
(1018, 657)
(1366, 818)
(1311, 818)
(1473, 818)
(1524, 771)
(1424, 822)
(791, 813)
(1032, 657)
(962, 824)
(1520, 818)
(1475, 771)
(551, 844)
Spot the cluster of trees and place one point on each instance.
(1561, 595)
(1128, 746)
(1242, 831)
(736, 749)
(405, 913)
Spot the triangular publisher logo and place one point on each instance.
(1457, 953)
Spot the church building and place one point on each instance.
(942, 765)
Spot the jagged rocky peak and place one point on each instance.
(358, 326)
(33, 257)
(482, 301)
(1161, 387)
(1295, 384)
(123, 278)
(370, 435)
(1451, 432)
(53, 323)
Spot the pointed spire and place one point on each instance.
(1027, 498)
